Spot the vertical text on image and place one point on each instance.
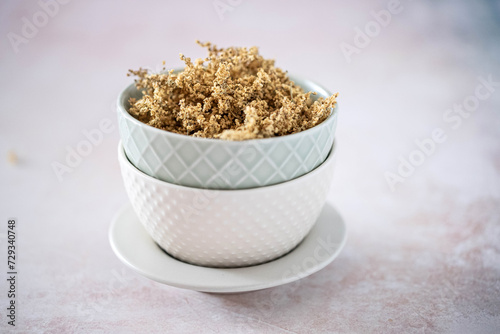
(11, 271)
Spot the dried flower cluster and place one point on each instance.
(234, 94)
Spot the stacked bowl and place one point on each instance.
(218, 203)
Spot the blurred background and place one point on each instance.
(402, 70)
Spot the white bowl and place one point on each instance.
(227, 228)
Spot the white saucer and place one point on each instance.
(135, 248)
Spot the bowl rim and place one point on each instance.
(322, 92)
(125, 162)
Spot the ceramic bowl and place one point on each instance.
(221, 164)
(227, 228)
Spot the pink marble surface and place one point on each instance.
(421, 258)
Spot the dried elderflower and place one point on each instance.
(233, 94)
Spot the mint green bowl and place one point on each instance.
(221, 164)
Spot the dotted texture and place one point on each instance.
(227, 228)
